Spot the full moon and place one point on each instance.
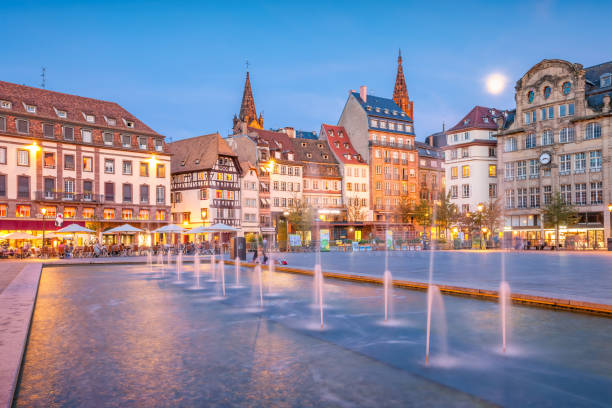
(496, 83)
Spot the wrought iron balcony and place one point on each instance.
(220, 203)
(61, 196)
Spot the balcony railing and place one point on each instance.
(227, 221)
(216, 184)
(220, 203)
(390, 144)
(69, 197)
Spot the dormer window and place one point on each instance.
(320, 146)
(337, 144)
(142, 142)
(331, 133)
(325, 156)
(30, 108)
(387, 111)
(5, 105)
(485, 119)
(466, 121)
(303, 144)
(277, 155)
(129, 123)
(346, 145)
(369, 107)
(290, 156)
(340, 134)
(111, 121)
(183, 163)
(159, 146)
(605, 80)
(197, 161)
(309, 155)
(377, 109)
(61, 113)
(89, 118)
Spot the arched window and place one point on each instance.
(567, 87)
(592, 131)
(547, 92)
(530, 96)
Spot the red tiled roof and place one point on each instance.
(475, 119)
(75, 106)
(344, 144)
(276, 140)
(198, 153)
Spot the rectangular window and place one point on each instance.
(534, 168)
(87, 190)
(127, 167)
(509, 198)
(51, 212)
(521, 170)
(142, 142)
(2, 185)
(159, 146)
(565, 164)
(144, 193)
(562, 110)
(88, 213)
(143, 215)
(454, 191)
(566, 193)
(2, 155)
(109, 166)
(595, 161)
(465, 171)
(160, 215)
(551, 112)
(48, 130)
(69, 212)
(49, 186)
(543, 114)
(126, 140)
(49, 160)
(23, 211)
(68, 162)
(144, 169)
(465, 190)
(547, 195)
(527, 118)
(566, 135)
(109, 213)
(3, 124)
(23, 157)
(597, 193)
(108, 138)
(23, 126)
(86, 135)
(109, 192)
(522, 198)
(511, 144)
(127, 214)
(548, 138)
(530, 141)
(160, 194)
(581, 194)
(161, 171)
(534, 197)
(3, 210)
(87, 163)
(68, 189)
(68, 133)
(23, 187)
(592, 131)
(492, 190)
(492, 170)
(127, 193)
(509, 171)
(580, 162)
(570, 109)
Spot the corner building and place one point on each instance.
(558, 140)
(88, 159)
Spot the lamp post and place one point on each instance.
(286, 214)
(483, 230)
(43, 211)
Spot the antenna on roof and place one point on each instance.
(43, 75)
(443, 126)
(247, 65)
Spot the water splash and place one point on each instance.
(213, 266)
(318, 290)
(179, 265)
(196, 269)
(237, 270)
(160, 258)
(435, 299)
(258, 272)
(222, 273)
(430, 291)
(388, 287)
(504, 304)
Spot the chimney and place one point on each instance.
(363, 93)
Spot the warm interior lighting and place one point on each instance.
(33, 148)
(185, 223)
(610, 207)
(43, 211)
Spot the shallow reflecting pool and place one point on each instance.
(128, 336)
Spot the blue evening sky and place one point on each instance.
(180, 66)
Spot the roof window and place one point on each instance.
(111, 121)
(5, 105)
(183, 163)
(320, 145)
(197, 161)
(377, 109)
(605, 80)
(61, 113)
(128, 123)
(30, 108)
(485, 119)
(303, 144)
(89, 118)
(309, 155)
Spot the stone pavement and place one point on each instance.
(8, 271)
(16, 306)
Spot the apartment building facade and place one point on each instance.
(558, 141)
(89, 160)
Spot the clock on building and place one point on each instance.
(545, 158)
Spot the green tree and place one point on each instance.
(558, 213)
(491, 215)
(424, 214)
(300, 215)
(355, 212)
(405, 210)
(446, 212)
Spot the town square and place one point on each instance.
(318, 204)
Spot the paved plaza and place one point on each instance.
(584, 276)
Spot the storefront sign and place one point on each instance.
(389, 239)
(324, 234)
(295, 240)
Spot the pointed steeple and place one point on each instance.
(400, 92)
(248, 115)
(247, 109)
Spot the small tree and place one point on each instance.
(355, 212)
(300, 215)
(491, 215)
(446, 213)
(405, 210)
(95, 224)
(558, 213)
(424, 214)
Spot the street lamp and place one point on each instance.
(43, 211)
(480, 207)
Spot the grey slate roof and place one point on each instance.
(384, 108)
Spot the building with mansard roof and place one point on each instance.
(85, 159)
(557, 140)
